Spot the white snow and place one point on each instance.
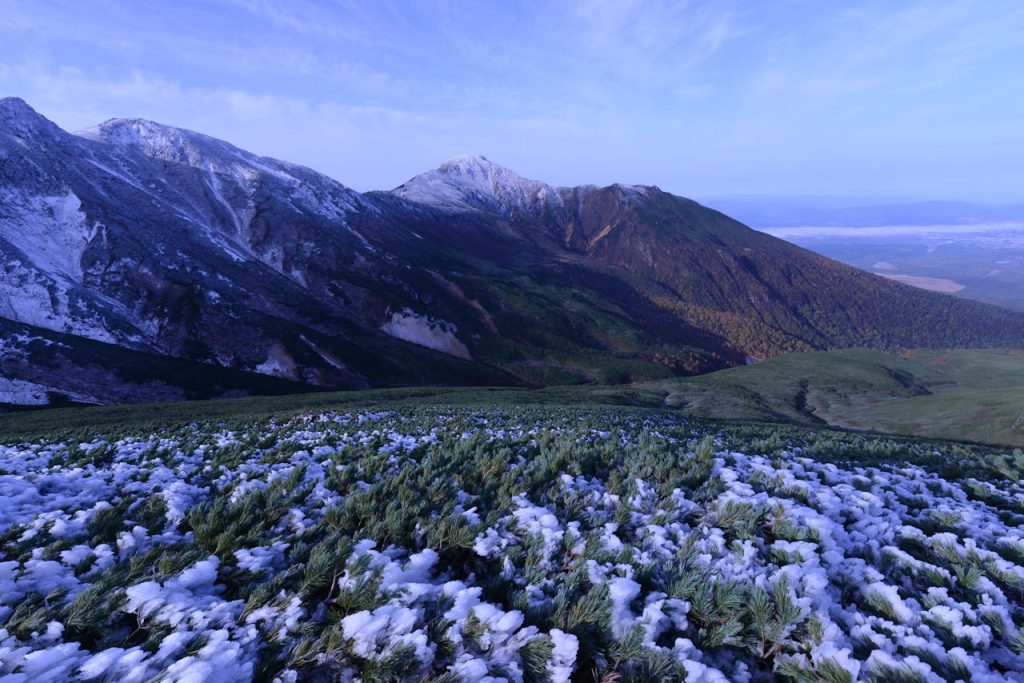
(50, 230)
(471, 182)
(857, 532)
(23, 393)
(329, 358)
(367, 628)
(563, 656)
(279, 363)
(891, 596)
(423, 331)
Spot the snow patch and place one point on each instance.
(279, 363)
(51, 231)
(429, 332)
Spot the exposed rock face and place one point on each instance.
(433, 334)
(165, 241)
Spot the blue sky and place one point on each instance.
(911, 99)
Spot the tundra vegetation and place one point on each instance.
(508, 543)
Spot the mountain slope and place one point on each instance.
(166, 241)
(950, 394)
(40, 367)
(763, 294)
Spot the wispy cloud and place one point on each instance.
(685, 94)
(914, 46)
(655, 38)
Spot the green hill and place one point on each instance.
(956, 395)
(960, 394)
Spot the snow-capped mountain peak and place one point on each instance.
(15, 106)
(476, 164)
(159, 141)
(474, 182)
(19, 119)
(212, 156)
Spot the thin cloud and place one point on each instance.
(697, 97)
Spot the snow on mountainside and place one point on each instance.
(475, 183)
(228, 173)
(22, 121)
(168, 143)
(164, 240)
(44, 233)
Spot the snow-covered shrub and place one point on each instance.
(518, 545)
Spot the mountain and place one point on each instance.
(474, 183)
(166, 242)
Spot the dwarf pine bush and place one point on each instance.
(520, 544)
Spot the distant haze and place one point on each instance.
(811, 213)
(911, 99)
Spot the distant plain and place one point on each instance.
(984, 262)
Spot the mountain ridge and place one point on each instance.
(163, 240)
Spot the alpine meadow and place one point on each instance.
(723, 383)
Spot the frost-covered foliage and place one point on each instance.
(489, 545)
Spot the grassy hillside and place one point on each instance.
(86, 422)
(955, 395)
(964, 395)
